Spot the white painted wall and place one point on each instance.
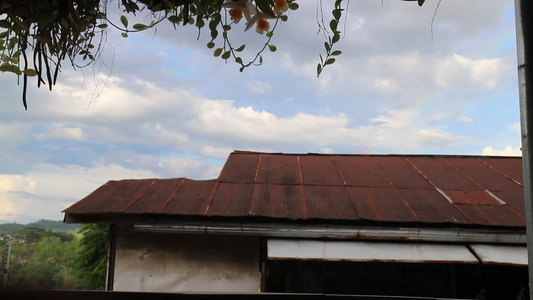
(155, 262)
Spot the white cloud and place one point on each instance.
(13, 189)
(259, 86)
(508, 151)
(177, 167)
(515, 127)
(216, 152)
(457, 70)
(245, 125)
(46, 190)
(61, 131)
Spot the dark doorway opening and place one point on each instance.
(395, 279)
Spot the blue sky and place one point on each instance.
(160, 105)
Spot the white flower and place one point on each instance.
(240, 7)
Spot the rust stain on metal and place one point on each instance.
(171, 196)
(303, 199)
(139, 196)
(458, 190)
(210, 198)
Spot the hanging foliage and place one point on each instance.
(37, 36)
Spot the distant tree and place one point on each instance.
(92, 258)
(54, 225)
(46, 261)
(35, 275)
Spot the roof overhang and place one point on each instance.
(316, 231)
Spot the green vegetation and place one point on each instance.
(11, 228)
(52, 259)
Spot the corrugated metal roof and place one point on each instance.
(456, 190)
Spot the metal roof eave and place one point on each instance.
(283, 230)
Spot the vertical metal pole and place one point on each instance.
(524, 27)
(5, 267)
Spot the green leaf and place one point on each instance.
(294, 6)
(333, 25)
(336, 38)
(124, 34)
(124, 21)
(260, 59)
(200, 23)
(328, 47)
(210, 45)
(139, 26)
(240, 48)
(337, 13)
(421, 2)
(3, 34)
(269, 34)
(226, 27)
(284, 18)
(318, 70)
(5, 67)
(226, 55)
(238, 60)
(30, 72)
(102, 26)
(336, 52)
(174, 19)
(272, 48)
(217, 52)
(329, 61)
(265, 7)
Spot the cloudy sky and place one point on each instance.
(160, 105)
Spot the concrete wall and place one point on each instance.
(155, 262)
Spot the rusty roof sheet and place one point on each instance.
(423, 189)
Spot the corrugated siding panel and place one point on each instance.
(444, 176)
(360, 171)
(432, 207)
(320, 170)
(157, 195)
(378, 188)
(232, 199)
(491, 215)
(471, 197)
(240, 168)
(279, 169)
(191, 199)
(514, 199)
(400, 173)
(331, 201)
(97, 199)
(115, 196)
(512, 167)
(277, 201)
(390, 205)
(487, 177)
(364, 205)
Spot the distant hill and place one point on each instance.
(10, 228)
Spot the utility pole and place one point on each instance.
(524, 30)
(5, 267)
